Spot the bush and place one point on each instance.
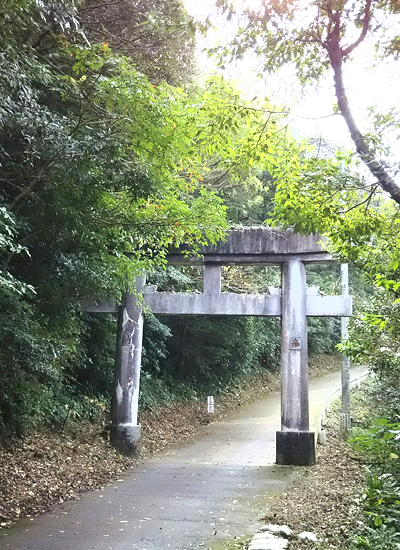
(379, 446)
(384, 538)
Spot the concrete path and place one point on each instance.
(211, 488)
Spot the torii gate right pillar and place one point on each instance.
(295, 444)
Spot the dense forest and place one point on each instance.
(114, 148)
(106, 163)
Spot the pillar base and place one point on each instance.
(126, 438)
(295, 448)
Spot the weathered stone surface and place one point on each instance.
(322, 437)
(329, 306)
(295, 448)
(184, 303)
(125, 433)
(126, 438)
(257, 245)
(268, 541)
(212, 279)
(281, 530)
(307, 535)
(263, 536)
(294, 355)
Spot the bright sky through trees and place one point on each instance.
(312, 107)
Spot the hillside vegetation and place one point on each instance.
(105, 164)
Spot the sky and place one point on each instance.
(311, 108)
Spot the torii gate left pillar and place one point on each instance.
(125, 433)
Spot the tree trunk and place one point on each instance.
(377, 169)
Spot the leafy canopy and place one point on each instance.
(320, 36)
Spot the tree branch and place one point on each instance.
(367, 200)
(377, 169)
(366, 22)
(31, 186)
(91, 7)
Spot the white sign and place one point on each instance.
(210, 404)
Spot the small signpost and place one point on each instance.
(210, 404)
(247, 246)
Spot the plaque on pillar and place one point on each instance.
(344, 422)
(295, 343)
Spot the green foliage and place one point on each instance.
(379, 444)
(157, 35)
(209, 353)
(91, 372)
(383, 538)
(317, 39)
(102, 172)
(91, 192)
(381, 502)
(156, 335)
(323, 335)
(360, 228)
(249, 201)
(33, 364)
(374, 332)
(379, 447)
(284, 33)
(9, 246)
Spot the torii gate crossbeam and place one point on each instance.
(252, 246)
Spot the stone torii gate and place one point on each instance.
(295, 444)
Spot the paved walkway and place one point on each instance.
(211, 488)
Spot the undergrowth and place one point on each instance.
(377, 441)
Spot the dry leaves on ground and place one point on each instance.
(322, 497)
(49, 467)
